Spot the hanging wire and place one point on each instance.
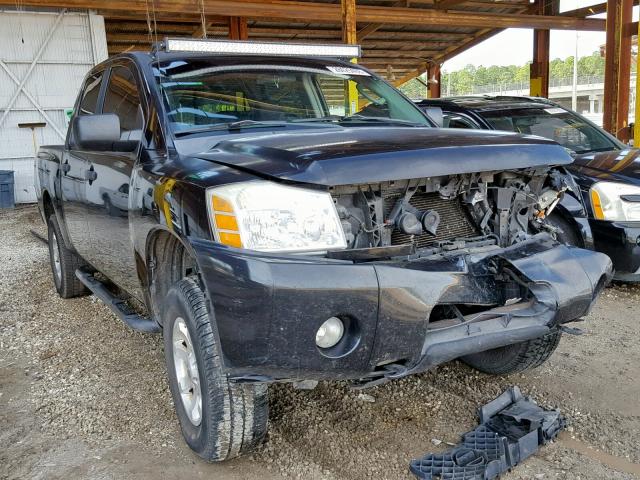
(204, 20)
(155, 23)
(149, 28)
(20, 10)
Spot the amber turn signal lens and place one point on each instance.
(230, 239)
(226, 222)
(598, 212)
(221, 205)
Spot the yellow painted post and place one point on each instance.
(636, 125)
(349, 36)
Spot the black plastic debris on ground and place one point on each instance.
(512, 428)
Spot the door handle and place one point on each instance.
(66, 167)
(90, 175)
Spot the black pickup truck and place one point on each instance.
(285, 217)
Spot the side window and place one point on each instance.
(457, 121)
(90, 93)
(123, 99)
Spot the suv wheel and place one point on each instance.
(515, 358)
(219, 419)
(566, 233)
(64, 264)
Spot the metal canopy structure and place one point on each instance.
(400, 38)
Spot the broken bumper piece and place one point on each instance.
(400, 316)
(512, 428)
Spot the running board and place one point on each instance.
(117, 306)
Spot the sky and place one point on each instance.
(514, 46)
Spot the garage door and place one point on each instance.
(43, 59)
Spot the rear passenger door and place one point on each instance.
(108, 195)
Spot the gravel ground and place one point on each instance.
(83, 396)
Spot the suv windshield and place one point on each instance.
(199, 94)
(566, 128)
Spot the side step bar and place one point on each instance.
(117, 306)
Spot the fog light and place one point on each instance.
(329, 333)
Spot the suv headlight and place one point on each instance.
(615, 201)
(270, 217)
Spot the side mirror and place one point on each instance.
(436, 115)
(96, 132)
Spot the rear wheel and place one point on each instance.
(64, 263)
(219, 419)
(515, 358)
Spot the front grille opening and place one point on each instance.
(454, 219)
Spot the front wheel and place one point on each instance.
(515, 358)
(219, 419)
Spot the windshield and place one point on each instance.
(566, 128)
(199, 95)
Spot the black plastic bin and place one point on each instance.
(7, 197)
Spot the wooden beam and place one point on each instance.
(323, 12)
(349, 29)
(373, 27)
(434, 80)
(592, 10)
(445, 4)
(480, 37)
(349, 32)
(422, 67)
(421, 55)
(238, 28)
(617, 68)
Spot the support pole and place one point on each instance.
(238, 28)
(349, 36)
(618, 68)
(434, 81)
(636, 124)
(539, 69)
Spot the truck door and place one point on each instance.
(108, 198)
(74, 170)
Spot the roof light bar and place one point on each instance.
(230, 47)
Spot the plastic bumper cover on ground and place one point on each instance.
(267, 308)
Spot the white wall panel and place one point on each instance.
(77, 44)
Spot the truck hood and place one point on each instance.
(335, 156)
(617, 165)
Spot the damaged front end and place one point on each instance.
(425, 215)
(435, 269)
(493, 298)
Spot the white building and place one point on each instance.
(43, 60)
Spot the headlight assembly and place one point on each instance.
(615, 201)
(270, 217)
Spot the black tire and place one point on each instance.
(64, 278)
(515, 358)
(566, 233)
(234, 416)
(108, 206)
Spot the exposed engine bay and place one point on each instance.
(447, 213)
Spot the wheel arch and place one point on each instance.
(169, 258)
(581, 228)
(50, 207)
